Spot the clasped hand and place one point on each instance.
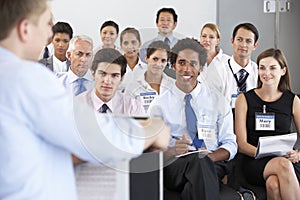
(293, 156)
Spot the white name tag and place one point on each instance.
(207, 133)
(265, 121)
(147, 98)
(233, 99)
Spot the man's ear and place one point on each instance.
(255, 45)
(23, 30)
(69, 55)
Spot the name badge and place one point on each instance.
(207, 133)
(147, 98)
(264, 121)
(233, 99)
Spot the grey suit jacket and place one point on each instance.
(48, 62)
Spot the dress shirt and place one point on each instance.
(143, 50)
(59, 66)
(120, 103)
(231, 88)
(69, 80)
(140, 85)
(213, 75)
(207, 104)
(40, 128)
(132, 74)
(49, 63)
(101, 47)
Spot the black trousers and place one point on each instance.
(194, 177)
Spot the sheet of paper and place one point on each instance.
(275, 145)
(100, 182)
(192, 152)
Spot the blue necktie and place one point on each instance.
(81, 87)
(191, 121)
(242, 81)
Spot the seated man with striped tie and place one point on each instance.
(79, 78)
(198, 118)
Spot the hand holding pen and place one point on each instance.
(181, 145)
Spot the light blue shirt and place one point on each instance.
(170, 107)
(143, 50)
(40, 126)
(69, 80)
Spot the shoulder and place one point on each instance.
(211, 94)
(134, 87)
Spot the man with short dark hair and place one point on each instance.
(166, 22)
(240, 73)
(108, 69)
(198, 119)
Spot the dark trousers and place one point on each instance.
(194, 177)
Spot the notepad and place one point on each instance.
(277, 145)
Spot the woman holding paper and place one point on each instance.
(274, 101)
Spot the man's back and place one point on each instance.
(26, 137)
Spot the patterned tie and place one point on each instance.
(81, 87)
(191, 122)
(46, 52)
(242, 80)
(103, 108)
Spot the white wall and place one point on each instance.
(86, 16)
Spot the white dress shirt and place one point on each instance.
(213, 75)
(132, 74)
(207, 104)
(59, 66)
(231, 89)
(41, 126)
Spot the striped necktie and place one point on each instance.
(242, 80)
(103, 108)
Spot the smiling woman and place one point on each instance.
(272, 98)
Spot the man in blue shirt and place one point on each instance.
(212, 128)
(40, 123)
